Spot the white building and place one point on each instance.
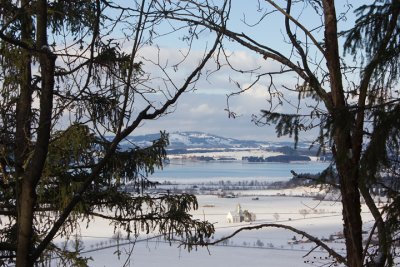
(235, 215)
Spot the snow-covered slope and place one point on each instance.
(200, 142)
(187, 140)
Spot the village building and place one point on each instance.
(235, 216)
(238, 215)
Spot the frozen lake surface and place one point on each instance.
(199, 171)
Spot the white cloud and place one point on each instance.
(203, 109)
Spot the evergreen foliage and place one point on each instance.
(72, 74)
(353, 103)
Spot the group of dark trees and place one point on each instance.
(73, 72)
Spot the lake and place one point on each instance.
(186, 171)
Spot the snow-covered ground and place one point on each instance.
(264, 247)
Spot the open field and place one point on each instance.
(264, 247)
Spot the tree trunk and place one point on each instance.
(25, 225)
(36, 161)
(25, 196)
(352, 225)
(346, 161)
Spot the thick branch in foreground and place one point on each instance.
(339, 258)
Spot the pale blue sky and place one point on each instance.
(204, 109)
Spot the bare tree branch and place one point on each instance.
(339, 258)
(289, 17)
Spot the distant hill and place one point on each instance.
(191, 140)
(182, 141)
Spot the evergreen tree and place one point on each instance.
(70, 93)
(350, 95)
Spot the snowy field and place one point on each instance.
(264, 247)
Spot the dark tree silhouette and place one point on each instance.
(350, 94)
(75, 81)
